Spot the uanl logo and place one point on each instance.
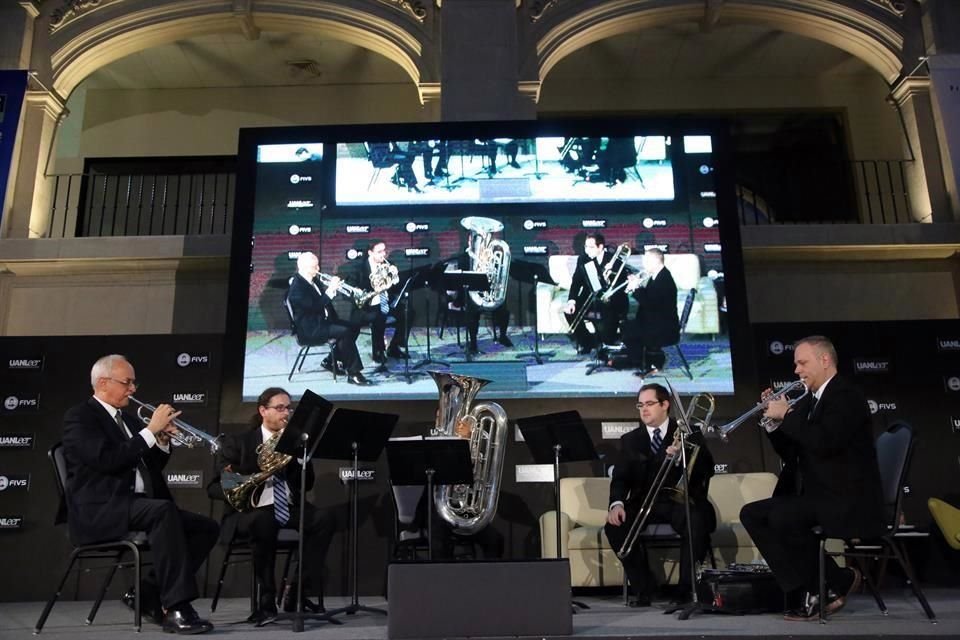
(297, 179)
(877, 407)
(951, 383)
(650, 223)
(16, 441)
(612, 430)
(776, 385)
(530, 225)
(955, 423)
(593, 224)
(417, 252)
(25, 363)
(15, 481)
(871, 365)
(11, 522)
(535, 250)
(777, 348)
(190, 398)
(665, 248)
(300, 204)
(721, 467)
(185, 478)
(712, 247)
(358, 228)
(413, 227)
(363, 475)
(293, 255)
(193, 360)
(948, 344)
(21, 402)
(296, 230)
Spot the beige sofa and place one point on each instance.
(583, 504)
(685, 268)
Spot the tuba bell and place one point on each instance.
(469, 508)
(490, 256)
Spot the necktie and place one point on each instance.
(384, 303)
(281, 504)
(813, 407)
(657, 441)
(119, 418)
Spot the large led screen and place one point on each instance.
(555, 260)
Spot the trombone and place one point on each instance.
(188, 436)
(725, 430)
(702, 403)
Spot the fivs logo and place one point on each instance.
(19, 481)
(193, 360)
(778, 348)
(21, 403)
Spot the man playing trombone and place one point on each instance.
(589, 282)
(115, 485)
(642, 454)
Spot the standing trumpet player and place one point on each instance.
(115, 486)
(273, 505)
(642, 452)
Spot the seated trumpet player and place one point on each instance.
(656, 324)
(594, 318)
(115, 485)
(380, 278)
(642, 454)
(269, 500)
(311, 299)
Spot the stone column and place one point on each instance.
(480, 62)
(945, 82)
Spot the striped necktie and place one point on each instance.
(384, 303)
(657, 441)
(281, 502)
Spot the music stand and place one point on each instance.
(429, 461)
(468, 281)
(405, 296)
(424, 276)
(555, 438)
(531, 272)
(355, 435)
(301, 435)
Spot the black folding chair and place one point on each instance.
(238, 550)
(305, 343)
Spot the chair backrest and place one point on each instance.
(585, 500)
(687, 306)
(730, 491)
(58, 463)
(379, 154)
(894, 451)
(289, 309)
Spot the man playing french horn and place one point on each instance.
(379, 277)
(272, 505)
(642, 452)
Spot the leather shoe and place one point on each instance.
(379, 357)
(505, 341)
(307, 605)
(150, 607)
(183, 619)
(325, 363)
(839, 602)
(358, 379)
(638, 601)
(397, 352)
(263, 615)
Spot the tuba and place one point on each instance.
(238, 489)
(489, 256)
(469, 508)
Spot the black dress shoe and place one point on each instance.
(505, 341)
(379, 357)
(263, 615)
(325, 363)
(398, 353)
(357, 378)
(183, 619)
(306, 605)
(150, 607)
(638, 601)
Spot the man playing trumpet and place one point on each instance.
(115, 485)
(272, 506)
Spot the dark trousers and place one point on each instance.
(666, 511)
(781, 527)
(500, 315)
(179, 541)
(378, 325)
(606, 321)
(346, 334)
(261, 527)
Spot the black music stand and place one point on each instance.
(438, 460)
(300, 437)
(405, 296)
(531, 272)
(467, 281)
(424, 277)
(355, 435)
(554, 438)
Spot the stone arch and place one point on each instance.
(872, 40)
(93, 48)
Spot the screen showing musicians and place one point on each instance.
(633, 493)
(597, 302)
(115, 485)
(315, 319)
(380, 281)
(262, 490)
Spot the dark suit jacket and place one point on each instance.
(240, 451)
(101, 463)
(833, 455)
(312, 311)
(657, 313)
(636, 468)
(580, 284)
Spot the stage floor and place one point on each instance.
(607, 618)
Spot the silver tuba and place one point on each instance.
(469, 508)
(490, 256)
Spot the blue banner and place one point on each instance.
(13, 85)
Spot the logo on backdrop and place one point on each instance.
(412, 227)
(363, 475)
(11, 522)
(872, 365)
(22, 364)
(297, 229)
(21, 403)
(955, 423)
(881, 407)
(15, 481)
(948, 344)
(16, 441)
(613, 430)
(593, 224)
(297, 179)
(358, 228)
(417, 252)
(721, 467)
(190, 398)
(530, 225)
(185, 479)
(951, 383)
(193, 359)
(779, 348)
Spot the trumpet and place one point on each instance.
(725, 430)
(358, 295)
(188, 436)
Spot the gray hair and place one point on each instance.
(103, 367)
(820, 344)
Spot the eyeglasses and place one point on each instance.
(127, 383)
(648, 404)
(282, 408)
